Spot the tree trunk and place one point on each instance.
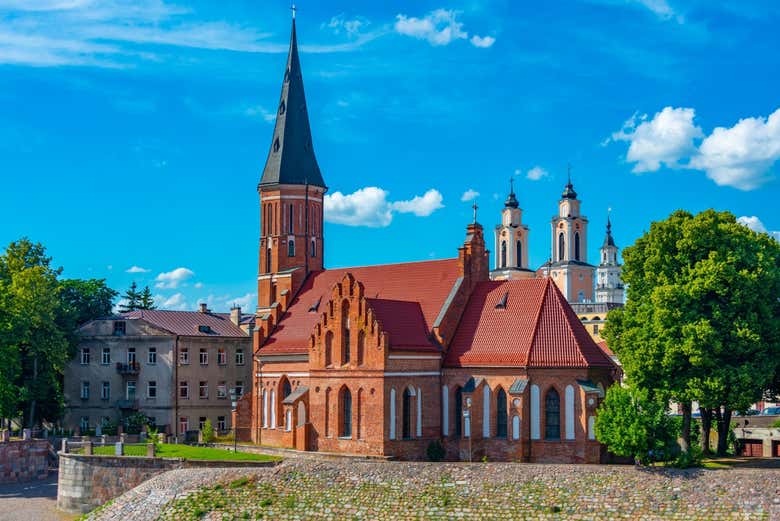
(34, 389)
(724, 428)
(685, 435)
(706, 426)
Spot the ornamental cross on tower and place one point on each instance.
(475, 207)
(293, 9)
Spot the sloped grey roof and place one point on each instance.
(518, 386)
(300, 391)
(291, 158)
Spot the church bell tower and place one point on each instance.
(291, 193)
(511, 242)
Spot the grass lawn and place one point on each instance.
(170, 450)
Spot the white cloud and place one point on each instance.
(741, 156)
(369, 207)
(536, 173)
(198, 285)
(755, 224)
(339, 24)
(172, 279)
(482, 41)
(468, 195)
(421, 206)
(257, 110)
(439, 27)
(136, 269)
(665, 139)
(660, 8)
(177, 301)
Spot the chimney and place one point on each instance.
(235, 314)
(203, 307)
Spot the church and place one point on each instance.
(391, 360)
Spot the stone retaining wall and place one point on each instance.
(23, 460)
(86, 482)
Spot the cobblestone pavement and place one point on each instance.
(32, 501)
(300, 489)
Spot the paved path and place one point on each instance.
(33, 501)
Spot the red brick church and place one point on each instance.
(385, 360)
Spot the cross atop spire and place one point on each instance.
(291, 159)
(608, 240)
(475, 207)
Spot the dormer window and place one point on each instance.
(502, 302)
(314, 307)
(120, 327)
(205, 329)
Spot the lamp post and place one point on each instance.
(467, 422)
(233, 416)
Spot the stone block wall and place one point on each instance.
(86, 482)
(24, 460)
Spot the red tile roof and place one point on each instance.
(537, 328)
(185, 323)
(407, 298)
(604, 347)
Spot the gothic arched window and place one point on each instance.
(501, 414)
(552, 415)
(361, 347)
(576, 245)
(561, 245)
(290, 247)
(345, 333)
(346, 414)
(458, 411)
(328, 348)
(292, 221)
(519, 249)
(406, 415)
(286, 388)
(503, 254)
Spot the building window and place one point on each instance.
(581, 296)
(85, 390)
(84, 423)
(268, 258)
(291, 247)
(346, 414)
(130, 390)
(221, 426)
(286, 389)
(130, 355)
(105, 357)
(120, 328)
(184, 424)
(151, 389)
(503, 254)
(221, 356)
(576, 245)
(184, 390)
(406, 414)
(84, 355)
(552, 415)
(184, 356)
(345, 333)
(501, 414)
(203, 390)
(329, 348)
(595, 329)
(222, 390)
(292, 220)
(105, 421)
(204, 356)
(313, 248)
(105, 391)
(201, 423)
(561, 246)
(239, 388)
(152, 355)
(361, 347)
(519, 252)
(239, 357)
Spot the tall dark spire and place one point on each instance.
(511, 200)
(608, 240)
(569, 192)
(291, 159)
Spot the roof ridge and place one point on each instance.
(536, 321)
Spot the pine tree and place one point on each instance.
(132, 299)
(146, 301)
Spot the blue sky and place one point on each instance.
(133, 134)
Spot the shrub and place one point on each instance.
(208, 432)
(435, 451)
(776, 424)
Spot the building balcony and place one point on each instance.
(607, 286)
(131, 368)
(127, 404)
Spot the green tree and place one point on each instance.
(702, 319)
(632, 425)
(208, 432)
(33, 308)
(146, 301)
(132, 299)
